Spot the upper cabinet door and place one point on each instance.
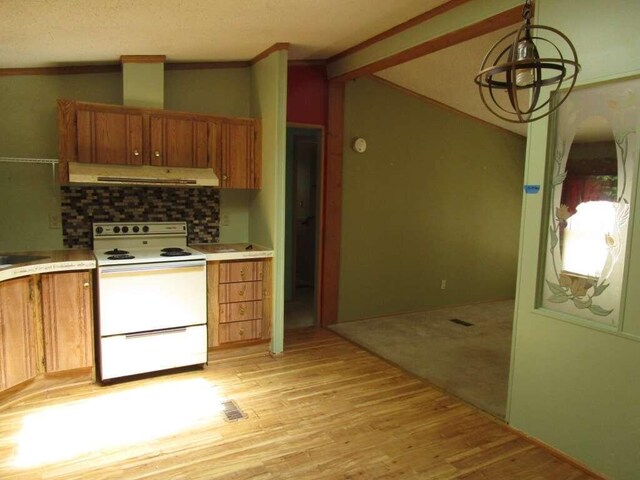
(178, 142)
(109, 137)
(240, 168)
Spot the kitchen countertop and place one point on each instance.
(56, 261)
(232, 251)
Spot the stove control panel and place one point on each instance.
(106, 230)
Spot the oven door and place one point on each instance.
(146, 297)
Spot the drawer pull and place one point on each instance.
(242, 291)
(241, 332)
(85, 284)
(136, 153)
(242, 309)
(242, 273)
(156, 332)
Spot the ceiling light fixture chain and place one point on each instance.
(513, 73)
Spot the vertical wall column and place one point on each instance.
(332, 206)
(143, 80)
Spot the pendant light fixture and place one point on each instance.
(512, 74)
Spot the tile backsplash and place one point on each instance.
(81, 206)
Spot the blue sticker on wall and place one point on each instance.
(531, 189)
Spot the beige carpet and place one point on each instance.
(470, 362)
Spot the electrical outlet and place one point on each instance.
(55, 221)
(224, 220)
(443, 284)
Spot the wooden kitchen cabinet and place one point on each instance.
(239, 162)
(113, 134)
(18, 331)
(239, 302)
(179, 142)
(67, 319)
(109, 137)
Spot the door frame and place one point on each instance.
(320, 178)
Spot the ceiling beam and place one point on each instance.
(468, 20)
(423, 17)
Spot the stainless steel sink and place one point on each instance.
(6, 260)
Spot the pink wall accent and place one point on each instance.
(307, 94)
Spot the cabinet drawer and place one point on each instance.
(240, 331)
(123, 355)
(240, 272)
(236, 312)
(240, 292)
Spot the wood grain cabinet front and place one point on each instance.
(239, 302)
(109, 137)
(18, 332)
(114, 134)
(67, 319)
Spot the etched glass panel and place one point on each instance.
(594, 163)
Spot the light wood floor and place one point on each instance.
(324, 409)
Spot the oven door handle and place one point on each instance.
(140, 268)
(156, 332)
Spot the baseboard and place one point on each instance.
(556, 453)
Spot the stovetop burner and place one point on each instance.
(172, 249)
(120, 256)
(175, 253)
(116, 251)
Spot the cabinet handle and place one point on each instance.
(136, 153)
(156, 154)
(85, 284)
(224, 177)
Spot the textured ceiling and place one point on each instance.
(447, 77)
(42, 33)
(37, 33)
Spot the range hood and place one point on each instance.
(89, 173)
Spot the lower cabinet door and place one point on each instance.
(240, 331)
(122, 355)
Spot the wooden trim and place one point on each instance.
(307, 63)
(69, 70)
(438, 104)
(205, 65)
(412, 22)
(273, 48)
(556, 453)
(332, 207)
(143, 58)
(310, 126)
(491, 24)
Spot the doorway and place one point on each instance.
(304, 151)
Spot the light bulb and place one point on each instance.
(524, 76)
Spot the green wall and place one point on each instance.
(28, 128)
(572, 386)
(267, 210)
(219, 92)
(436, 196)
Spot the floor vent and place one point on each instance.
(461, 322)
(231, 411)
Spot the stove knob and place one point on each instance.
(99, 230)
(125, 229)
(136, 229)
(145, 229)
(116, 229)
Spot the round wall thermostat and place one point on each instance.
(359, 145)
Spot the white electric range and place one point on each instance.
(151, 297)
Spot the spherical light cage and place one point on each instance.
(500, 80)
